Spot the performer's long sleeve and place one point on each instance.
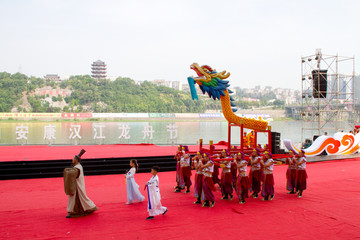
(130, 173)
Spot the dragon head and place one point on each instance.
(206, 73)
(209, 81)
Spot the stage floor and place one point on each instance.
(329, 209)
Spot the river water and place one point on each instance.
(135, 132)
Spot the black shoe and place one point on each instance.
(241, 201)
(150, 218)
(271, 197)
(177, 190)
(255, 195)
(291, 192)
(197, 202)
(231, 197)
(206, 204)
(212, 204)
(164, 212)
(265, 199)
(187, 191)
(176, 187)
(225, 197)
(76, 215)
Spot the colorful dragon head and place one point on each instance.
(209, 81)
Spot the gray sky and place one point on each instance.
(257, 41)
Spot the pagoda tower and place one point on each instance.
(98, 70)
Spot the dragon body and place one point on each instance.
(215, 85)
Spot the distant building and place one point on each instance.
(52, 77)
(185, 87)
(98, 70)
(251, 99)
(268, 88)
(161, 82)
(176, 85)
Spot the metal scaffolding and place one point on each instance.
(327, 90)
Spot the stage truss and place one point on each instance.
(323, 110)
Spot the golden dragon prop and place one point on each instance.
(213, 83)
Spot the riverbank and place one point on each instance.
(126, 117)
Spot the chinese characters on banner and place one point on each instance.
(172, 129)
(98, 132)
(75, 131)
(125, 131)
(49, 133)
(22, 132)
(148, 132)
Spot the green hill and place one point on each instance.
(88, 94)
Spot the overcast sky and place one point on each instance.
(258, 42)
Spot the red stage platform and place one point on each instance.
(36, 209)
(44, 152)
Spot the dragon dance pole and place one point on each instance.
(229, 136)
(241, 137)
(269, 138)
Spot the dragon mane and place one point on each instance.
(214, 88)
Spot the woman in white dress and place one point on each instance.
(133, 193)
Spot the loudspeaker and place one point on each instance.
(319, 83)
(275, 143)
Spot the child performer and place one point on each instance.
(268, 184)
(208, 184)
(133, 193)
(179, 178)
(266, 148)
(255, 173)
(197, 162)
(301, 174)
(291, 173)
(226, 176)
(185, 169)
(154, 197)
(242, 184)
(78, 202)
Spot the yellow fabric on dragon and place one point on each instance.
(232, 118)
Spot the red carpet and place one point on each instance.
(329, 209)
(43, 152)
